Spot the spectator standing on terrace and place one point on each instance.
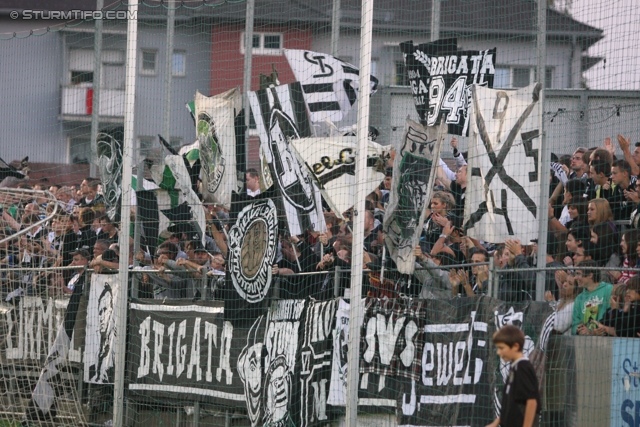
(591, 305)
(623, 183)
(623, 319)
(579, 168)
(90, 196)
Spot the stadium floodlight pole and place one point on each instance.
(335, 28)
(435, 19)
(355, 312)
(545, 154)
(168, 62)
(246, 78)
(125, 218)
(95, 101)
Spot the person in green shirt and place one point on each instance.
(591, 305)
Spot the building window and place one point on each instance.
(179, 64)
(264, 43)
(79, 151)
(78, 77)
(401, 78)
(517, 77)
(148, 62)
(145, 148)
(521, 77)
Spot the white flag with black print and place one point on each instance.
(330, 85)
(280, 116)
(331, 162)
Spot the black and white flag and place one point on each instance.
(101, 333)
(413, 177)
(50, 386)
(280, 116)
(331, 162)
(216, 133)
(330, 85)
(503, 187)
(441, 77)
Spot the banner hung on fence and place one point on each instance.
(440, 77)
(216, 133)
(101, 333)
(503, 188)
(330, 86)
(411, 187)
(280, 116)
(331, 162)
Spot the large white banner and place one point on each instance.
(101, 333)
(332, 164)
(330, 85)
(503, 188)
(215, 130)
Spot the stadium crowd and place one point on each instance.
(594, 222)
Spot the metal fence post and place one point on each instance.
(168, 69)
(246, 79)
(545, 154)
(335, 28)
(127, 153)
(95, 101)
(336, 282)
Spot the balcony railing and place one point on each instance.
(78, 101)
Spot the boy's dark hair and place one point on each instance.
(588, 263)
(623, 166)
(509, 335)
(88, 215)
(476, 250)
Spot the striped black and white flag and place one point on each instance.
(330, 85)
(280, 116)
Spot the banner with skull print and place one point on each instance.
(413, 177)
(217, 137)
(280, 115)
(503, 188)
(109, 149)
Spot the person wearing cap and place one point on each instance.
(80, 259)
(197, 261)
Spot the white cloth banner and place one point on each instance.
(101, 333)
(330, 85)
(332, 161)
(503, 188)
(216, 133)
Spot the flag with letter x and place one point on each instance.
(503, 190)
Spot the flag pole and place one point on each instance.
(120, 310)
(355, 313)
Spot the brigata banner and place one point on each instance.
(440, 77)
(432, 361)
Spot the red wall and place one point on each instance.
(227, 61)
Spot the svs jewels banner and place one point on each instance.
(440, 77)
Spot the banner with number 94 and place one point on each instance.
(440, 77)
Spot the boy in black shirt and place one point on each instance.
(521, 397)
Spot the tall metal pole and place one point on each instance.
(95, 102)
(125, 219)
(168, 62)
(545, 154)
(435, 19)
(246, 80)
(335, 28)
(355, 313)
